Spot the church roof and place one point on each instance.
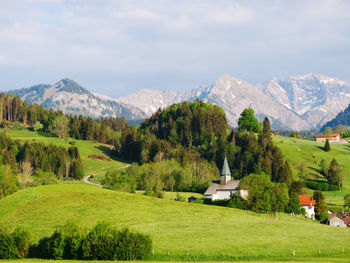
(216, 186)
(225, 169)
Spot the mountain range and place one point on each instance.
(298, 102)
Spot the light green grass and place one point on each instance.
(177, 228)
(85, 149)
(298, 150)
(172, 195)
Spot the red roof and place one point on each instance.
(306, 200)
(327, 135)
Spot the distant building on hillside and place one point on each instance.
(192, 199)
(224, 188)
(308, 205)
(333, 137)
(336, 221)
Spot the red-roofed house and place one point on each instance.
(308, 204)
(333, 137)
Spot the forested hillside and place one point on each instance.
(343, 118)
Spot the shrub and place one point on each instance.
(7, 245)
(102, 242)
(15, 244)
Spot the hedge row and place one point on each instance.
(102, 242)
(322, 186)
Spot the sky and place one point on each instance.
(120, 47)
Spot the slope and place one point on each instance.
(204, 232)
(86, 148)
(310, 153)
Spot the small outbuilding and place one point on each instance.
(192, 199)
(334, 220)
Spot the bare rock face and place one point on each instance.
(70, 97)
(316, 98)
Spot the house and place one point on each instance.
(333, 137)
(345, 216)
(224, 188)
(308, 205)
(336, 221)
(192, 199)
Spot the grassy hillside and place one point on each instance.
(311, 153)
(86, 148)
(205, 232)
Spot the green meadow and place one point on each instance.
(311, 153)
(180, 231)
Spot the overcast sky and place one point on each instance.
(118, 47)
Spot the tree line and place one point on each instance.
(35, 158)
(104, 130)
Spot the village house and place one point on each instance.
(308, 205)
(224, 188)
(334, 220)
(333, 137)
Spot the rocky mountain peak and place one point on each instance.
(69, 85)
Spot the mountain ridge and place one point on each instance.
(296, 102)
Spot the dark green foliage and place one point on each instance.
(322, 186)
(286, 174)
(293, 206)
(347, 202)
(264, 195)
(297, 187)
(327, 146)
(343, 118)
(321, 206)
(335, 175)
(15, 244)
(120, 181)
(48, 158)
(248, 122)
(102, 242)
(8, 181)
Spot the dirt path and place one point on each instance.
(86, 178)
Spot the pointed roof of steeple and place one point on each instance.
(225, 169)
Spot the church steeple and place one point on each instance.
(225, 173)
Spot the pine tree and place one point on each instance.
(321, 206)
(334, 175)
(286, 175)
(327, 147)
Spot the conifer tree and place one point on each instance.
(335, 175)
(286, 175)
(321, 206)
(327, 147)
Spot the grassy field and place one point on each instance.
(177, 228)
(86, 148)
(311, 153)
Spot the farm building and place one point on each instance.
(192, 199)
(333, 137)
(308, 205)
(224, 188)
(334, 220)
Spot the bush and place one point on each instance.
(15, 244)
(103, 242)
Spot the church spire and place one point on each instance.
(225, 169)
(225, 173)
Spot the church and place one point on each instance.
(224, 188)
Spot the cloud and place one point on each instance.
(191, 40)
